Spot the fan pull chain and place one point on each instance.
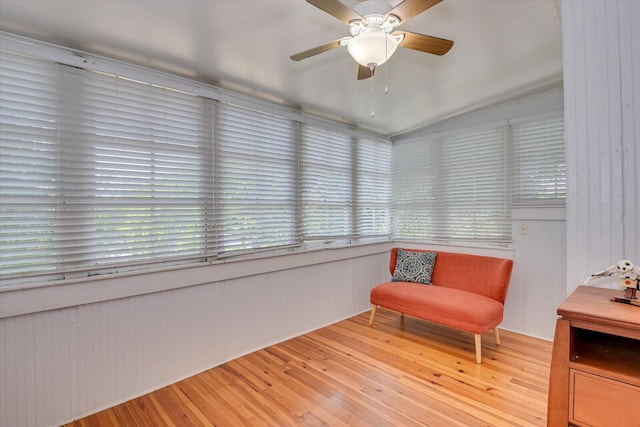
(372, 67)
(386, 78)
(386, 68)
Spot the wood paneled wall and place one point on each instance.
(601, 51)
(61, 364)
(538, 279)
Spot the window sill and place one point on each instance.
(37, 297)
(467, 248)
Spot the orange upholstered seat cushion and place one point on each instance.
(452, 307)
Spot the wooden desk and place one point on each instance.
(595, 365)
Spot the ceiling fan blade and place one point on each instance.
(365, 72)
(410, 8)
(316, 50)
(428, 44)
(336, 9)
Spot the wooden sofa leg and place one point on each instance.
(497, 335)
(478, 339)
(373, 313)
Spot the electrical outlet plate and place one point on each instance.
(523, 228)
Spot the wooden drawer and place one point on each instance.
(598, 401)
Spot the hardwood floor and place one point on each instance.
(398, 372)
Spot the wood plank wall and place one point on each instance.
(61, 364)
(601, 51)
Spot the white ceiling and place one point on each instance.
(503, 49)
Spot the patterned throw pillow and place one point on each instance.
(414, 267)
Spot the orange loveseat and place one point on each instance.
(466, 292)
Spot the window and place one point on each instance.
(462, 187)
(29, 160)
(256, 176)
(99, 172)
(453, 188)
(415, 173)
(373, 189)
(539, 162)
(326, 159)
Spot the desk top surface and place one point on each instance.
(592, 304)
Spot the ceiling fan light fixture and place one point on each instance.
(374, 47)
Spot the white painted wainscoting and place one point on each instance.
(538, 280)
(59, 361)
(61, 364)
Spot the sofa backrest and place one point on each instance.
(488, 276)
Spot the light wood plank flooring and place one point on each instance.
(398, 372)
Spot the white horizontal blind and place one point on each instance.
(29, 165)
(453, 189)
(99, 172)
(373, 189)
(256, 180)
(415, 169)
(327, 167)
(476, 190)
(539, 162)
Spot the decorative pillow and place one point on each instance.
(414, 267)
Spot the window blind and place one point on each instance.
(373, 189)
(453, 189)
(29, 165)
(327, 167)
(256, 180)
(99, 171)
(415, 168)
(539, 162)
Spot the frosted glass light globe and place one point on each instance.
(372, 48)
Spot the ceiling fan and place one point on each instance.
(373, 39)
